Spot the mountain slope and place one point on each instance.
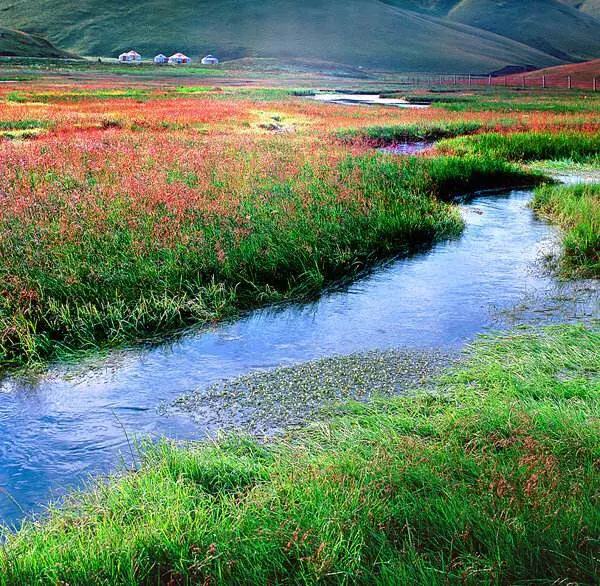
(592, 7)
(18, 44)
(367, 33)
(549, 25)
(444, 7)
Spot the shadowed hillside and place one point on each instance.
(434, 35)
(366, 33)
(16, 43)
(549, 25)
(590, 6)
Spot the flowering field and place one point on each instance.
(127, 212)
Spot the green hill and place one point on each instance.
(567, 29)
(18, 44)
(548, 25)
(434, 35)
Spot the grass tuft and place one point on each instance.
(385, 135)
(526, 146)
(576, 209)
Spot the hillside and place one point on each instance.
(590, 6)
(18, 44)
(581, 73)
(567, 29)
(549, 25)
(434, 35)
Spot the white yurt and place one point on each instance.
(210, 60)
(161, 59)
(179, 59)
(130, 57)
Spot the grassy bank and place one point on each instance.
(87, 266)
(507, 102)
(576, 209)
(425, 131)
(526, 146)
(492, 481)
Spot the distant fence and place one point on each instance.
(530, 80)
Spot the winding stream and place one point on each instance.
(60, 427)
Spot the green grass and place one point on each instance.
(576, 209)
(505, 100)
(30, 67)
(502, 101)
(18, 43)
(23, 124)
(23, 129)
(591, 165)
(494, 480)
(526, 146)
(118, 286)
(382, 135)
(80, 95)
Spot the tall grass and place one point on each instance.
(494, 480)
(76, 95)
(526, 146)
(510, 103)
(122, 283)
(576, 209)
(22, 124)
(425, 131)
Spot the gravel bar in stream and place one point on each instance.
(268, 402)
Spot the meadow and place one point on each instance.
(128, 212)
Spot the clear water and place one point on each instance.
(408, 148)
(58, 428)
(365, 100)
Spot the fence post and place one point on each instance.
(455, 79)
(470, 79)
(523, 81)
(490, 80)
(543, 81)
(505, 81)
(595, 84)
(570, 82)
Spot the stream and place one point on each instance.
(60, 427)
(365, 100)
